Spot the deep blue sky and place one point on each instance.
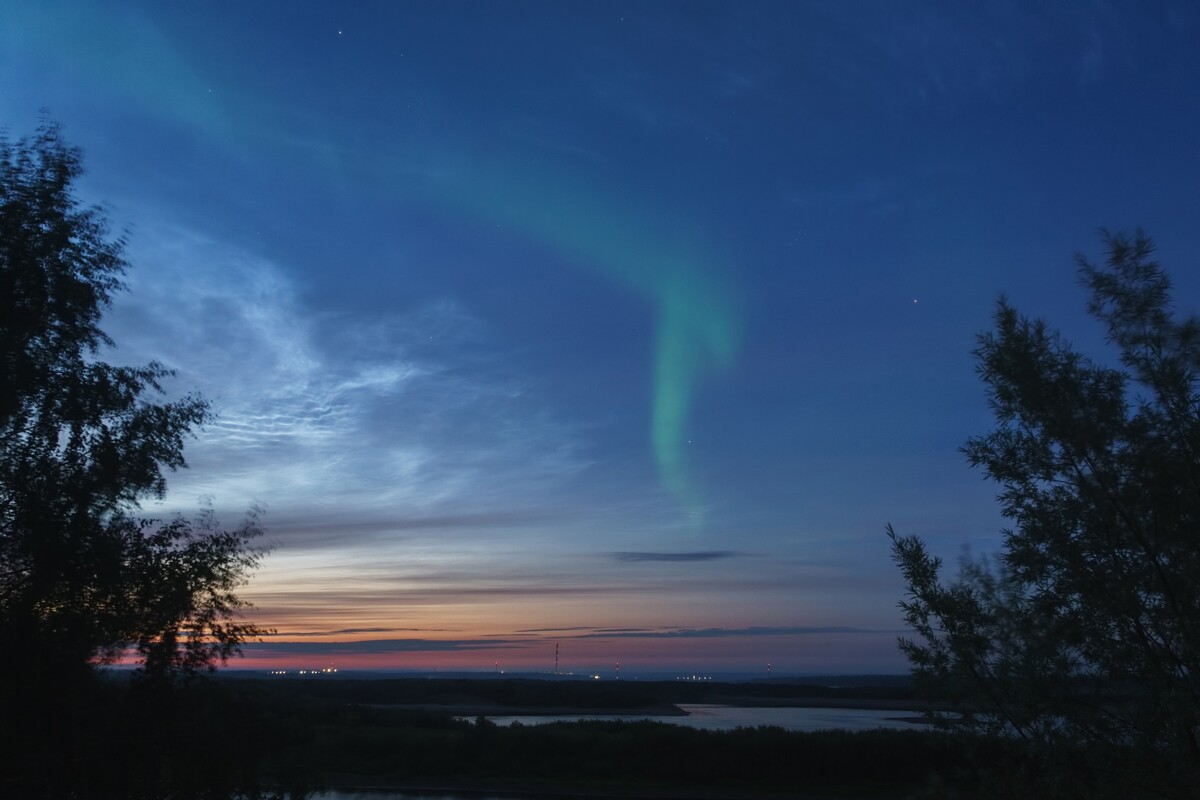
(628, 325)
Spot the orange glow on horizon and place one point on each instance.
(856, 652)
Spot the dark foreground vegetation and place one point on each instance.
(1082, 635)
(216, 738)
(537, 696)
(122, 736)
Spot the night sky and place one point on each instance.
(622, 325)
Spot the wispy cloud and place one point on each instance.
(412, 591)
(317, 411)
(720, 633)
(352, 631)
(570, 629)
(341, 530)
(697, 555)
(381, 646)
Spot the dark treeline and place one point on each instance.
(522, 693)
(533, 693)
(378, 747)
(136, 739)
(319, 733)
(118, 737)
(781, 693)
(318, 737)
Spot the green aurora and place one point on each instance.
(655, 255)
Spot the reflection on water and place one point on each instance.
(726, 718)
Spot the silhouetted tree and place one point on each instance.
(82, 578)
(1083, 639)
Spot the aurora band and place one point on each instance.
(645, 249)
(653, 254)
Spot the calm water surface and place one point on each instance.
(726, 718)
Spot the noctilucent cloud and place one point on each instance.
(621, 326)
